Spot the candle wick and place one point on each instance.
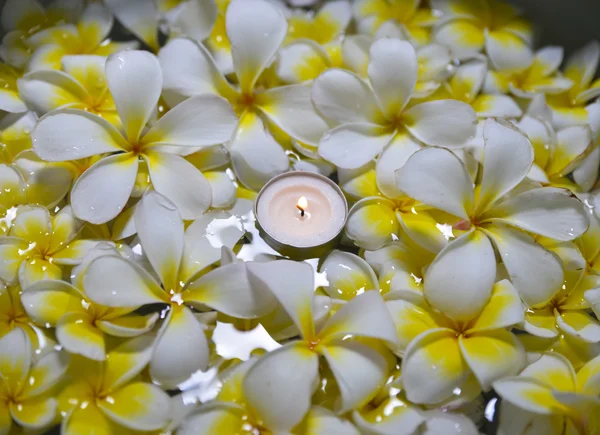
(302, 212)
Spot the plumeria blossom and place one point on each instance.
(559, 153)
(492, 213)
(22, 19)
(467, 84)
(232, 412)
(375, 114)
(190, 70)
(80, 324)
(405, 16)
(569, 107)
(550, 396)
(540, 77)
(178, 258)
(81, 85)
(467, 27)
(439, 353)
(26, 382)
(400, 265)
(39, 245)
(13, 314)
(135, 82)
(108, 397)
(295, 366)
(566, 313)
(87, 36)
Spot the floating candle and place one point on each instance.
(301, 213)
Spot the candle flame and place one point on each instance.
(302, 203)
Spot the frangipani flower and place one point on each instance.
(440, 354)
(189, 70)
(105, 397)
(13, 314)
(81, 324)
(376, 114)
(82, 85)
(539, 77)
(178, 258)
(549, 396)
(359, 368)
(493, 214)
(38, 245)
(25, 383)
(408, 16)
(558, 153)
(569, 107)
(566, 313)
(231, 412)
(326, 25)
(135, 82)
(23, 18)
(466, 85)
(87, 36)
(467, 27)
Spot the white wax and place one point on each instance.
(278, 215)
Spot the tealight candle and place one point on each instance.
(301, 214)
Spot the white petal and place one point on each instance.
(139, 17)
(204, 239)
(501, 106)
(160, 230)
(468, 79)
(393, 74)
(291, 109)
(46, 90)
(359, 371)
(301, 60)
(404, 420)
(95, 22)
(15, 357)
(438, 178)
(77, 333)
(135, 81)
(393, 157)
(267, 384)
(189, 69)
(536, 273)
(115, 282)
(351, 146)
(464, 37)
(447, 123)
(321, 421)
(228, 290)
(198, 121)
(46, 372)
(347, 275)
(292, 284)
(581, 65)
(177, 179)
(434, 60)
(343, 97)
(364, 316)
(16, 12)
(504, 309)
(508, 157)
(515, 420)
(223, 189)
(372, 222)
(213, 417)
(448, 280)
(572, 144)
(426, 377)
(355, 53)
(586, 174)
(493, 355)
(507, 52)
(69, 134)
(174, 359)
(548, 211)
(102, 191)
(195, 19)
(255, 155)
(253, 47)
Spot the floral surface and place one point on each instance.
(136, 295)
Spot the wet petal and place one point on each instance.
(372, 222)
(78, 335)
(504, 309)
(47, 301)
(347, 275)
(34, 413)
